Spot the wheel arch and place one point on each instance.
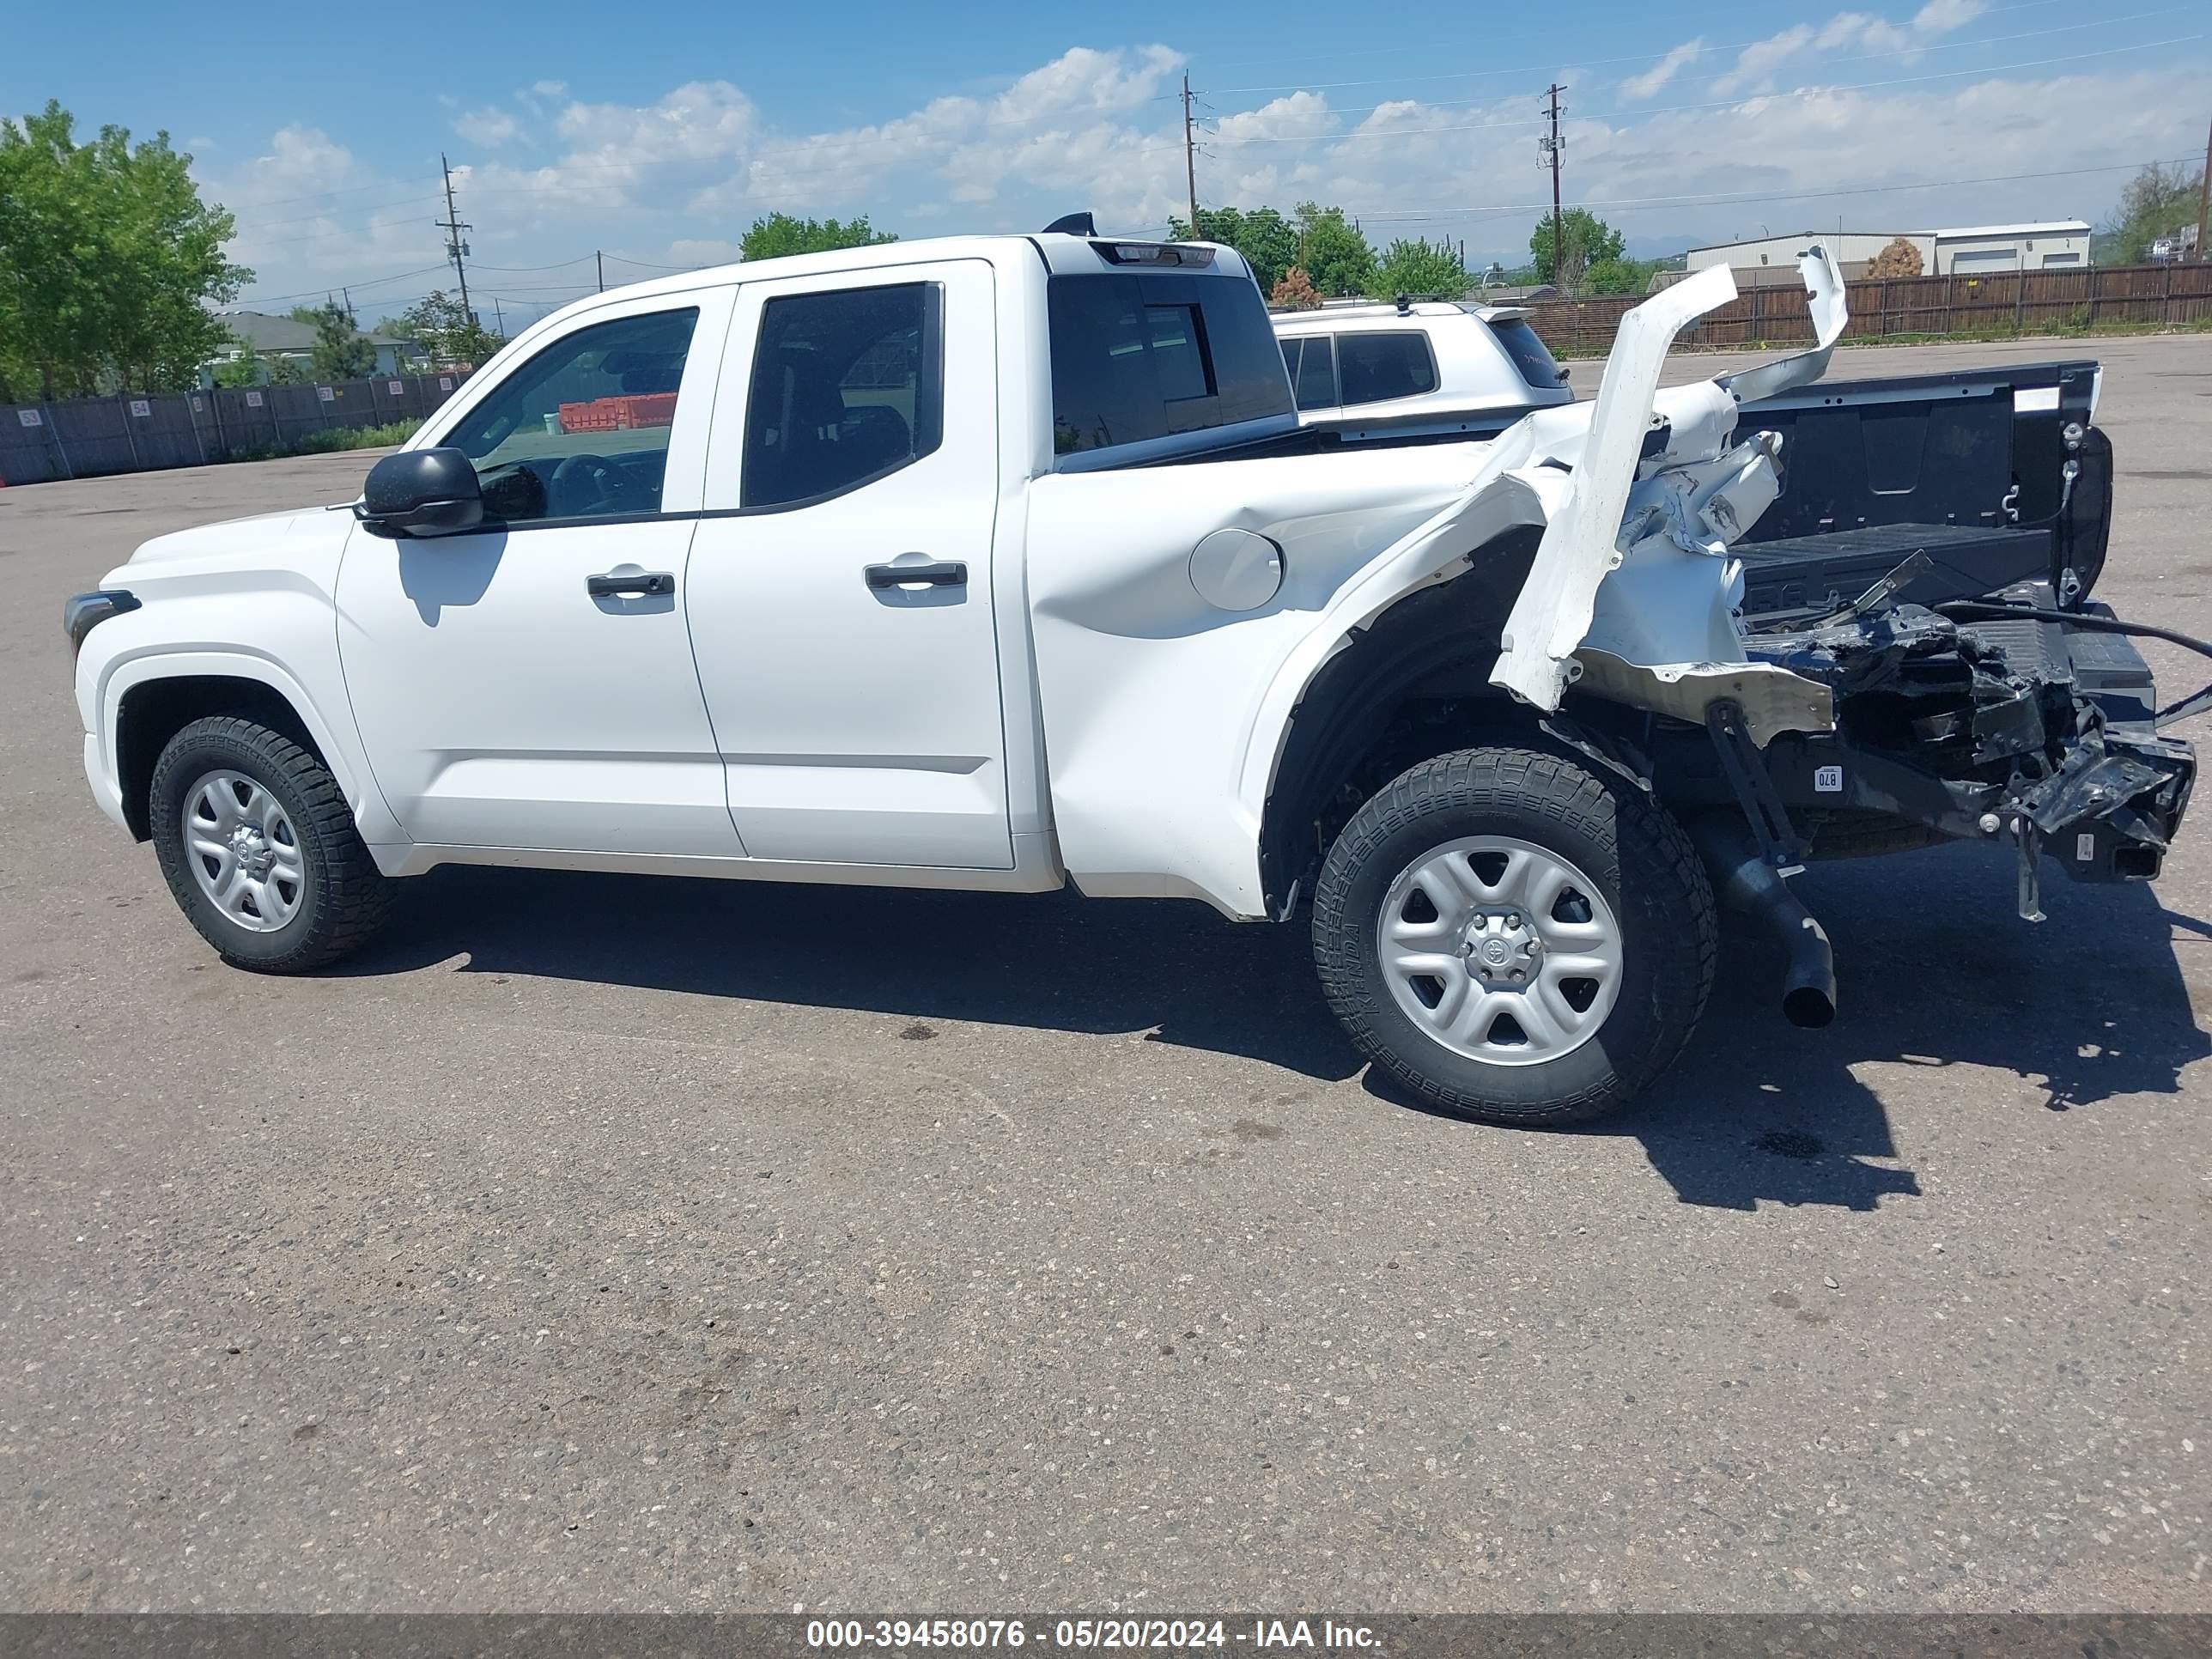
(150, 699)
(1413, 683)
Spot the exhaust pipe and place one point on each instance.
(1748, 884)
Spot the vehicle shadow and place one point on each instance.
(1935, 970)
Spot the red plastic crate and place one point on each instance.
(648, 409)
(600, 415)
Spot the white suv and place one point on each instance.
(1411, 367)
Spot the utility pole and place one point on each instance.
(2204, 205)
(1190, 158)
(498, 316)
(456, 249)
(1551, 144)
(601, 257)
(352, 321)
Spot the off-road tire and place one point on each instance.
(1606, 827)
(345, 895)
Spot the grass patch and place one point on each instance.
(330, 440)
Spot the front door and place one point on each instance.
(529, 685)
(841, 596)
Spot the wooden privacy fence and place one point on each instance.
(2038, 301)
(138, 432)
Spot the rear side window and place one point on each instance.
(1376, 367)
(846, 388)
(1312, 365)
(1137, 357)
(1529, 354)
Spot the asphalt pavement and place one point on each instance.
(613, 1243)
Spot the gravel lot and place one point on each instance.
(611, 1243)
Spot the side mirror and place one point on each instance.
(420, 492)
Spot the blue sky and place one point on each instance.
(657, 133)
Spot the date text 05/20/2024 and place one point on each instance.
(835, 1634)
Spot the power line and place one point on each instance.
(1635, 204)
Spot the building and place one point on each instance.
(1977, 250)
(1964, 251)
(289, 340)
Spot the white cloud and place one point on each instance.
(1756, 65)
(1639, 87)
(488, 127)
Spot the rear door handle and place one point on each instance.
(639, 584)
(943, 573)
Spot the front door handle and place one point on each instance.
(636, 583)
(944, 573)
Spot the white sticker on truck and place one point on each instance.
(1828, 779)
(2085, 848)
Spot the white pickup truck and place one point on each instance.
(1001, 562)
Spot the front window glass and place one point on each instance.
(581, 431)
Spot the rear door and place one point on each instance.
(839, 596)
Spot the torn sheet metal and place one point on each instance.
(1659, 478)
(1579, 548)
(1773, 700)
(1824, 286)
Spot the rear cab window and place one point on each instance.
(1142, 357)
(1528, 352)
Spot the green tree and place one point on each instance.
(445, 328)
(1619, 276)
(2157, 201)
(342, 352)
(1585, 240)
(244, 369)
(1263, 236)
(110, 263)
(780, 234)
(1334, 253)
(1423, 270)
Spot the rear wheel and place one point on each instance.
(259, 848)
(1515, 938)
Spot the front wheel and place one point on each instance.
(1515, 938)
(259, 848)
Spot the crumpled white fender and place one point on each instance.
(1631, 519)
